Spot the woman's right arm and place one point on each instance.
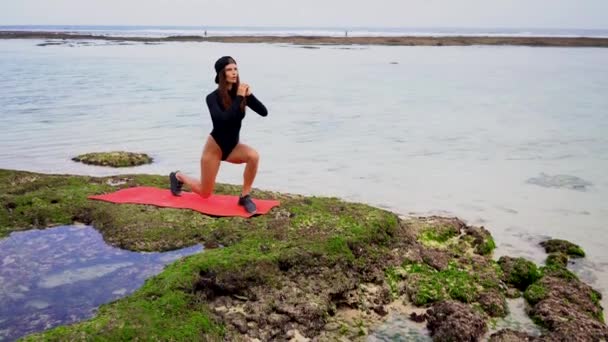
(234, 112)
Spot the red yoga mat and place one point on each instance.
(215, 205)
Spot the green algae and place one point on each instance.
(438, 237)
(487, 246)
(519, 272)
(557, 259)
(563, 246)
(535, 293)
(429, 285)
(461, 282)
(557, 271)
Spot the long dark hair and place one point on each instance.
(227, 94)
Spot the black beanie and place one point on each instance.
(220, 64)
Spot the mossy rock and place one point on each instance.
(454, 321)
(486, 247)
(557, 259)
(453, 261)
(563, 246)
(558, 271)
(519, 272)
(482, 240)
(535, 293)
(493, 303)
(114, 159)
(426, 285)
(564, 306)
(568, 309)
(596, 297)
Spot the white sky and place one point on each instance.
(377, 13)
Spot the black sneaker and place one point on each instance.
(176, 184)
(248, 204)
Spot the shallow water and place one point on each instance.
(398, 327)
(512, 138)
(60, 275)
(517, 319)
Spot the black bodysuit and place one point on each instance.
(227, 122)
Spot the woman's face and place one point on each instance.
(231, 72)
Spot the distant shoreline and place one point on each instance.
(323, 40)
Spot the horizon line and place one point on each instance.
(311, 27)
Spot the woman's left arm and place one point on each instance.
(256, 105)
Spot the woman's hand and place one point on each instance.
(248, 90)
(242, 91)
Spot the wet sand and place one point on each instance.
(302, 40)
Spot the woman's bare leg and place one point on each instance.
(245, 154)
(210, 165)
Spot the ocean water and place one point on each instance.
(165, 31)
(511, 138)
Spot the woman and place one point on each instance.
(227, 108)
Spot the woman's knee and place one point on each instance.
(253, 156)
(205, 194)
(205, 191)
(202, 190)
